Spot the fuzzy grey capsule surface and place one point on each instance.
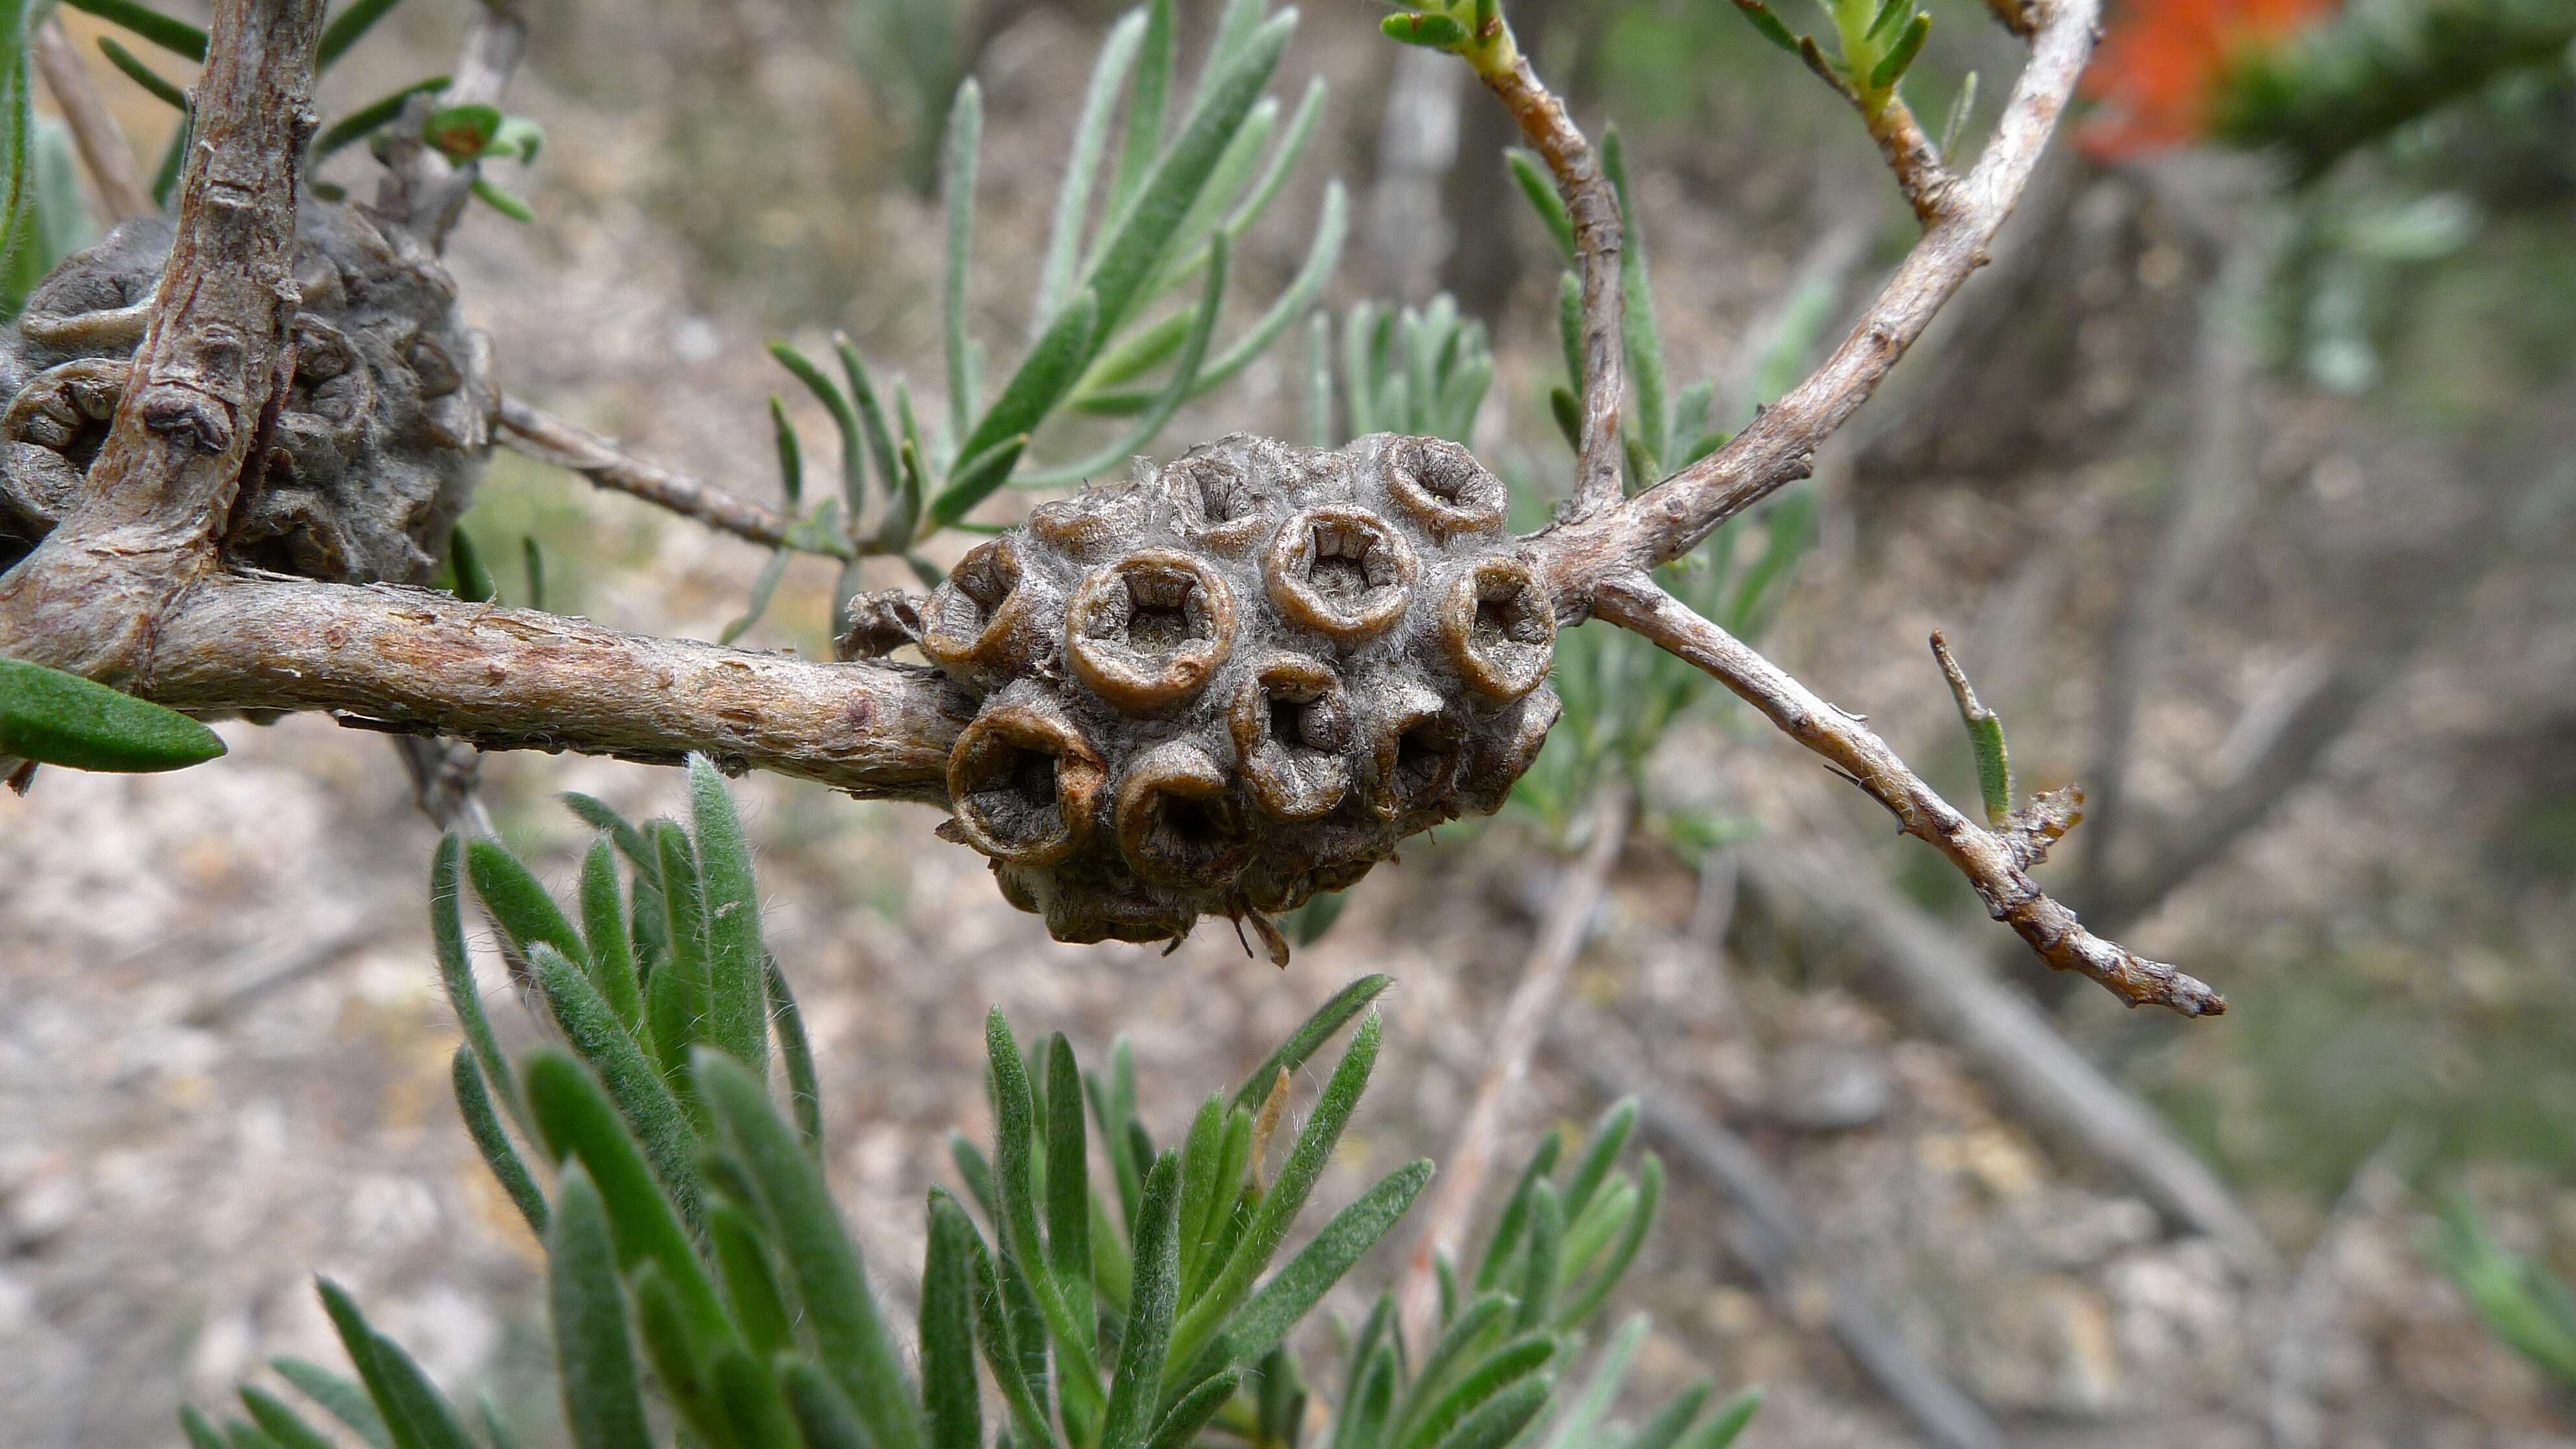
(1225, 685)
(374, 449)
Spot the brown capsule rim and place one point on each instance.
(1476, 507)
(1295, 781)
(1177, 770)
(1494, 663)
(1131, 678)
(994, 642)
(1031, 727)
(1290, 564)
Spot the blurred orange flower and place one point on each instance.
(2160, 64)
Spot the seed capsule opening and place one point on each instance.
(1443, 486)
(1149, 629)
(1024, 783)
(1220, 506)
(972, 626)
(1498, 628)
(1096, 524)
(1291, 724)
(1416, 750)
(1177, 825)
(1342, 570)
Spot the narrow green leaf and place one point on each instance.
(1540, 189)
(1051, 367)
(1201, 1153)
(1309, 1037)
(593, 1359)
(750, 1281)
(650, 1222)
(1645, 346)
(1138, 1385)
(977, 477)
(346, 28)
(950, 1398)
(822, 1261)
(57, 718)
(490, 194)
(1364, 1413)
(168, 32)
(1234, 30)
(993, 1323)
(1147, 102)
(1641, 1220)
(1889, 12)
(1142, 234)
(199, 1429)
(408, 1392)
(675, 995)
(796, 1056)
(1729, 1421)
(1279, 1208)
(1068, 1187)
(1909, 43)
(1283, 161)
(474, 1102)
(754, 1406)
(845, 419)
(1666, 1425)
(823, 1413)
(1319, 424)
(738, 1018)
(1082, 166)
(493, 1429)
(631, 1081)
(1546, 1242)
(1610, 1135)
(1504, 1377)
(532, 560)
(1015, 1180)
(340, 1397)
(162, 89)
(1184, 379)
(1513, 1223)
(519, 902)
(1962, 105)
(1359, 389)
(1579, 1427)
(680, 1358)
(610, 955)
(456, 974)
(1769, 24)
(281, 1424)
(1294, 1290)
(1470, 1335)
(1226, 181)
(965, 139)
(1434, 32)
(1180, 1427)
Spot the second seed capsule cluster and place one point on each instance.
(1231, 683)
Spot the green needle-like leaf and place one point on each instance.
(1641, 1220)
(1579, 1426)
(737, 996)
(340, 1397)
(1513, 1223)
(1546, 1245)
(1033, 392)
(993, 1322)
(168, 32)
(950, 1398)
(845, 418)
(1540, 188)
(1645, 347)
(281, 1424)
(596, 1364)
(632, 1081)
(822, 1261)
(1504, 1377)
(362, 1344)
(675, 995)
(603, 922)
(1201, 1153)
(1082, 166)
(519, 902)
(347, 28)
(750, 1282)
(679, 1357)
(1610, 1135)
(1068, 1186)
(1309, 1037)
(433, 1421)
(1184, 380)
(796, 1056)
(200, 1430)
(1147, 103)
(1137, 1388)
(1909, 43)
(456, 974)
(57, 718)
(823, 1413)
(1295, 1289)
(475, 1104)
(1180, 1427)
(163, 89)
(651, 1223)
(1279, 1208)
(1015, 1180)
(1365, 1411)
(1319, 434)
(965, 138)
(1727, 1423)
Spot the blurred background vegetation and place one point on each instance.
(2241, 480)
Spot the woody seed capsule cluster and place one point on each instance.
(1231, 683)
(375, 446)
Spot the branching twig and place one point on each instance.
(1514, 1042)
(104, 151)
(1632, 601)
(1594, 209)
(550, 439)
(421, 188)
(1902, 142)
(1669, 520)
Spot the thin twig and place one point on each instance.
(1514, 1041)
(549, 439)
(104, 151)
(1670, 519)
(421, 187)
(1987, 859)
(1594, 208)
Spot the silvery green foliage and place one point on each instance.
(1089, 1288)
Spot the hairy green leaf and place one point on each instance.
(593, 1359)
(475, 1104)
(631, 1081)
(57, 718)
(651, 1223)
